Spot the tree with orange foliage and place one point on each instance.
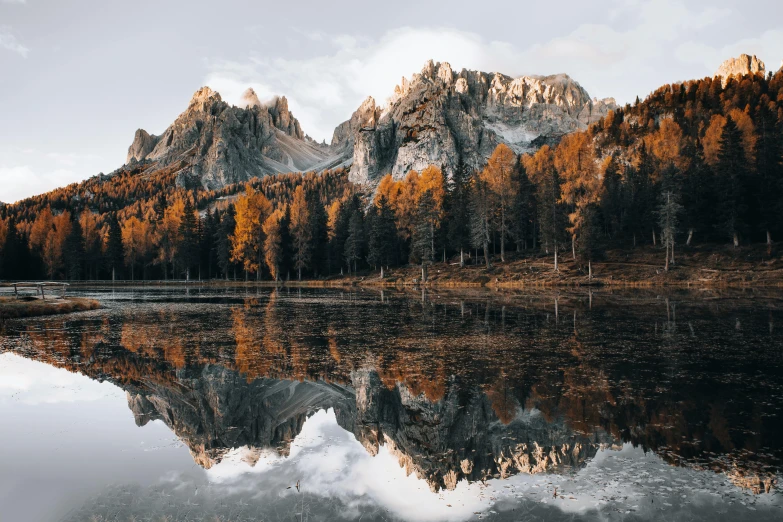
(136, 242)
(540, 167)
(428, 199)
(581, 189)
(301, 231)
(273, 242)
(500, 177)
(247, 242)
(168, 234)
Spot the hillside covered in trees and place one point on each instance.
(694, 163)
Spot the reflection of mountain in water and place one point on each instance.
(214, 409)
(465, 390)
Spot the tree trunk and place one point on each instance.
(654, 242)
(423, 273)
(299, 273)
(461, 258)
(555, 259)
(736, 240)
(486, 253)
(769, 243)
(112, 274)
(381, 271)
(672, 251)
(573, 247)
(589, 271)
(666, 267)
(690, 237)
(503, 236)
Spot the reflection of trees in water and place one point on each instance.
(677, 379)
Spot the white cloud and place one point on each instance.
(766, 46)
(324, 90)
(8, 41)
(19, 182)
(71, 159)
(32, 382)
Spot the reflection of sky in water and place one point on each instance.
(70, 444)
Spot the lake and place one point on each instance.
(241, 403)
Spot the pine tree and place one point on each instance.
(75, 251)
(383, 234)
(187, 249)
(301, 231)
(114, 251)
(424, 230)
(354, 243)
(223, 240)
(523, 211)
(318, 234)
(730, 173)
(458, 216)
(208, 247)
(668, 219)
(273, 243)
(499, 176)
(480, 216)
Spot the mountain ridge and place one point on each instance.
(437, 116)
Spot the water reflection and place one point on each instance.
(458, 389)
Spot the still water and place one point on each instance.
(240, 404)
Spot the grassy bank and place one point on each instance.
(11, 308)
(694, 267)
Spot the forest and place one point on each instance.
(695, 162)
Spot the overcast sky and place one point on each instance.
(78, 77)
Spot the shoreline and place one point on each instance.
(696, 267)
(11, 308)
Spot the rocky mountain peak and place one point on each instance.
(202, 95)
(213, 143)
(742, 65)
(442, 117)
(249, 99)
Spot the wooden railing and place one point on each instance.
(39, 287)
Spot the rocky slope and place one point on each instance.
(740, 66)
(443, 117)
(216, 144)
(439, 117)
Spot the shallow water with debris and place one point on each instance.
(219, 403)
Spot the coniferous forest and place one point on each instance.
(694, 163)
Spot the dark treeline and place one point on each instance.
(696, 162)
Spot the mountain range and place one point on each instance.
(439, 116)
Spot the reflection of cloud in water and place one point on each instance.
(31, 382)
(337, 475)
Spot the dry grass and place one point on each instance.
(11, 308)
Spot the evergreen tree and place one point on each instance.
(223, 234)
(668, 219)
(14, 254)
(458, 214)
(208, 249)
(424, 230)
(523, 211)
(318, 234)
(188, 247)
(730, 172)
(301, 231)
(383, 234)
(114, 251)
(354, 243)
(74, 251)
(480, 217)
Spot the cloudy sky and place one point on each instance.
(78, 77)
